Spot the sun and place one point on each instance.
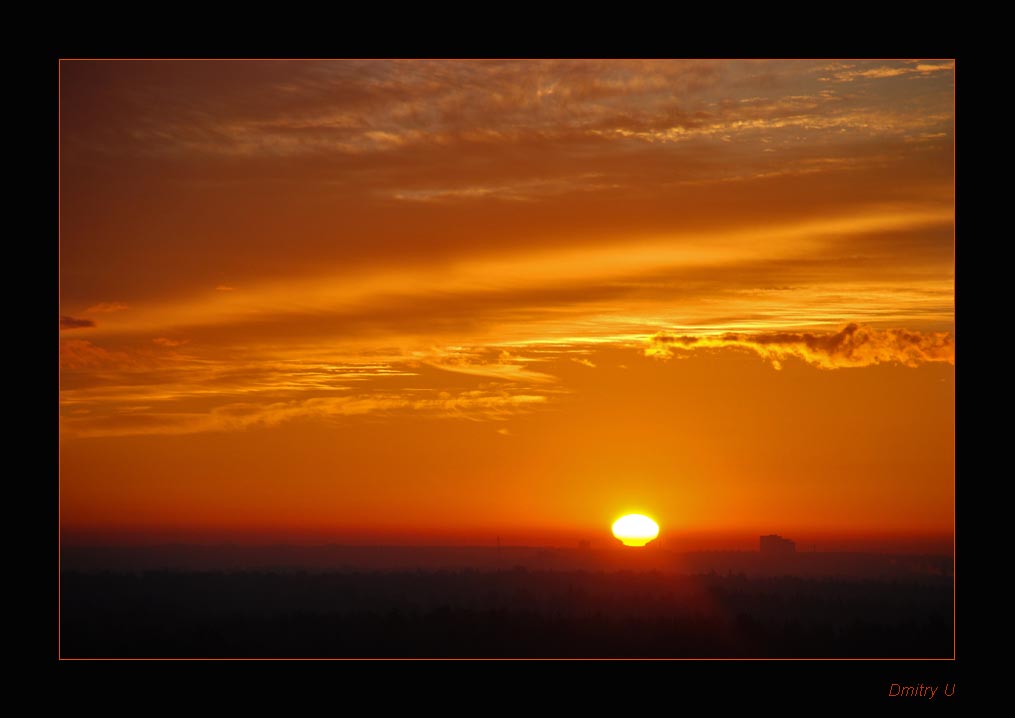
(635, 529)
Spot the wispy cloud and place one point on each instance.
(75, 323)
(82, 354)
(854, 72)
(522, 191)
(580, 285)
(382, 108)
(473, 405)
(106, 307)
(853, 346)
(507, 368)
(113, 392)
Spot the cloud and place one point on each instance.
(356, 107)
(661, 345)
(166, 342)
(81, 354)
(103, 364)
(74, 323)
(503, 371)
(530, 190)
(137, 389)
(583, 290)
(560, 153)
(474, 405)
(854, 345)
(381, 108)
(105, 307)
(851, 73)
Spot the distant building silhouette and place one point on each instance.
(776, 545)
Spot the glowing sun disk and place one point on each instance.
(635, 529)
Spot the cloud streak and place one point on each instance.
(80, 354)
(471, 405)
(67, 323)
(106, 307)
(854, 72)
(853, 346)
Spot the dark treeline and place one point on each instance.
(182, 557)
(515, 613)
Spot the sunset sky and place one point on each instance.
(448, 301)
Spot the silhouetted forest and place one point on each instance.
(183, 557)
(505, 613)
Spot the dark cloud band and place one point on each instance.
(75, 323)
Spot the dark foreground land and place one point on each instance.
(515, 612)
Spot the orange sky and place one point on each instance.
(445, 301)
